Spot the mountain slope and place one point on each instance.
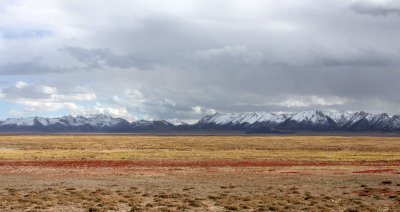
(309, 120)
(306, 120)
(240, 120)
(250, 121)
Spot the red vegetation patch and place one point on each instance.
(338, 173)
(341, 187)
(374, 171)
(143, 169)
(387, 192)
(289, 172)
(176, 169)
(375, 192)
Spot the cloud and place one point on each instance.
(118, 112)
(240, 55)
(21, 84)
(183, 60)
(376, 7)
(42, 98)
(29, 68)
(197, 110)
(26, 34)
(101, 58)
(306, 101)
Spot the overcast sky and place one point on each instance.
(157, 59)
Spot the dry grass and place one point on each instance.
(326, 148)
(303, 155)
(30, 187)
(227, 191)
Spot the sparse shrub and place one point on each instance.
(231, 207)
(273, 208)
(93, 209)
(194, 203)
(212, 197)
(351, 210)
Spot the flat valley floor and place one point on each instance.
(199, 173)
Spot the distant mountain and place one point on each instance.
(94, 123)
(252, 122)
(240, 120)
(306, 120)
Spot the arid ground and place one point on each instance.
(199, 173)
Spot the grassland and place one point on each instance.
(199, 173)
(200, 147)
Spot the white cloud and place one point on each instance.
(202, 110)
(21, 84)
(77, 97)
(306, 101)
(118, 112)
(210, 111)
(197, 110)
(47, 89)
(46, 105)
(41, 98)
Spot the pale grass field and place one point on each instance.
(309, 148)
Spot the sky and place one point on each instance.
(184, 59)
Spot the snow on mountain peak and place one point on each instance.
(95, 121)
(242, 118)
(343, 120)
(306, 120)
(176, 122)
(20, 121)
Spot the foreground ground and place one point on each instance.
(199, 173)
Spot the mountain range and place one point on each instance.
(252, 122)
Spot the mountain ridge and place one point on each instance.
(306, 120)
(261, 121)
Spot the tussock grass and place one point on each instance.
(315, 148)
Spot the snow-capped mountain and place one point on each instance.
(306, 120)
(249, 121)
(176, 122)
(19, 122)
(93, 123)
(394, 123)
(242, 119)
(66, 123)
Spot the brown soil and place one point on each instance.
(286, 188)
